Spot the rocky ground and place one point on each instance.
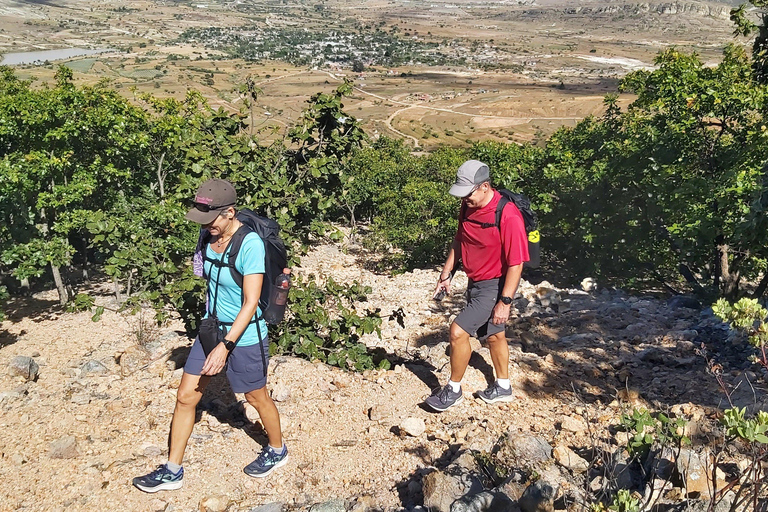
(98, 411)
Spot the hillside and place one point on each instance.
(98, 413)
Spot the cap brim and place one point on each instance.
(199, 217)
(461, 190)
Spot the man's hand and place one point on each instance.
(500, 313)
(215, 361)
(443, 284)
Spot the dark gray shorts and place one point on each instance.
(475, 318)
(246, 370)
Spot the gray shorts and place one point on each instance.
(475, 318)
(246, 369)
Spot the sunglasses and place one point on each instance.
(205, 208)
(474, 189)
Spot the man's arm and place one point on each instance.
(444, 281)
(514, 244)
(511, 282)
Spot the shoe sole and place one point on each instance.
(166, 486)
(505, 398)
(438, 409)
(266, 473)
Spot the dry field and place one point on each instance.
(553, 62)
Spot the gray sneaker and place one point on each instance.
(444, 398)
(267, 461)
(496, 393)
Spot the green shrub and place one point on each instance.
(324, 323)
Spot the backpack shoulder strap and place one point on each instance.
(500, 209)
(484, 225)
(234, 250)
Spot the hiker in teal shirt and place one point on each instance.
(250, 260)
(243, 350)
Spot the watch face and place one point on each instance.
(229, 344)
(506, 300)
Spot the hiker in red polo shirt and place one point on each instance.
(493, 260)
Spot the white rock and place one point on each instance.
(281, 392)
(588, 284)
(413, 426)
(569, 459)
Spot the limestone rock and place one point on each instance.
(538, 497)
(93, 367)
(589, 284)
(694, 467)
(683, 301)
(269, 507)
(132, 359)
(569, 459)
(329, 506)
(512, 489)
(281, 392)
(64, 448)
(152, 451)
(486, 501)
(214, 504)
(376, 413)
(413, 427)
(573, 424)
(24, 366)
(626, 473)
(442, 489)
(528, 448)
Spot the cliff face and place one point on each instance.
(720, 11)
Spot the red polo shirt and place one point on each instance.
(484, 253)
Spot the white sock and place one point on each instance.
(175, 468)
(455, 386)
(278, 451)
(504, 383)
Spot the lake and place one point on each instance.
(15, 59)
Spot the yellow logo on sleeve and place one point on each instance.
(534, 236)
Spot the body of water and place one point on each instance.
(15, 59)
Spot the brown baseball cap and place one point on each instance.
(212, 197)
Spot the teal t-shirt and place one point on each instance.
(250, 260)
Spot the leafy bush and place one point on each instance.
(325, 324)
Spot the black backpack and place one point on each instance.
(530, 220)
(274, 248)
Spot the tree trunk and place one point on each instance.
(25, 286)
(761, 287)
(63, 297)
(160, 177)
(729, 280)
(118, 295)
(86, 277)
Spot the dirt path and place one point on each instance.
(343, 430)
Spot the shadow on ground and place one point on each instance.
(590, 355)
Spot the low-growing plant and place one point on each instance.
(751, 430)
(623, 501)
(80, 302)
(647, 430)
(748, 317)
(325, 324)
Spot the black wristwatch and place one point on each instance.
(229, 345)
(506, 300)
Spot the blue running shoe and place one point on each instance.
(161, 479)
(267, 461)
